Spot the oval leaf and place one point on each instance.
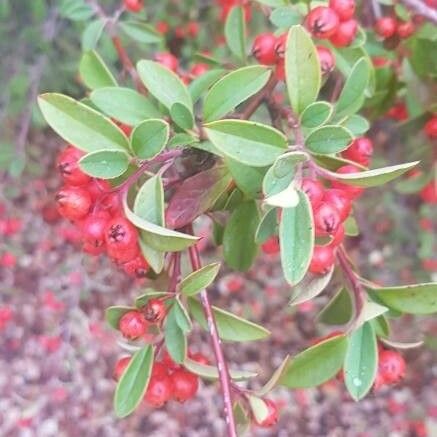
(235, 32)
(230, 327)
(233, 89)
(80, 125)
(310, 287)
(133, 383)
(197, 87)
(182, 116)
(141, 32)
(210, 372)
(149, 138)
(316, 114)
(94, 72)
(328, 139)
(302, 69)
(361, 361)
(175, 341)
(197, 281)
(356, 124)
(250, 143)
(267, 226)
(296, 236)
(105, 164)
(315, 365)
(92, 34)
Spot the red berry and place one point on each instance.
(8, 260)
(326, 219)
(271, 246)
(199, 69)
(385, 27)
(155, 310)
(280, 71)
(199, 358)
(132, 325)
(193, 28)
(73, 202)
(272, 415)
(69, 168)
(136, 267)
(162, 27)
(345, 34)
(168, 60)
(168, 362)
(263, 48)
(340, 200)
(322, 22)
(159, 390)
(281, 42)
(93, 228)
(159, 369)
(429, 192)
(90, 249)
(391, 366)
(406, 29)
(431, 127)
(398, 112)
(133, 5)
(185, 385)
(322, 260)
(350, 190)
(98, 189)
(360, 150)
(314, 190)
(345, 8)
(326, 58)
(121, 239)
(120, 366)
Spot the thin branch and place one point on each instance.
(222, 366)
(422, 9)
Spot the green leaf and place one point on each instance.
(210, 372)
(233, 89)
(247, 142)
(80, 125)
(141, 32)
(239, 247)
(92, 34)
(230, 327)
(361, 361)
(285, 16)
(158, 237)
(141, 301)
(181, 139)
(339, 309)
(242, 419)
(175, 340)
(316, 114)
(94, 72)
(149, 205)
(235, 32)
(274, 380)
(352, 96)
(149, 138)
(315, 365)
(267, 226)
(328, 139)
(124, 104)
(413, 184)
(75, 10)
(302, 69)
(199, 85)
(259, 408)
(332, 162)
(163, 84)
(375, 177)
(115, 313)
(181, 316)
(310, 287)
(356, 124)
(182, 116)
(197, 281)
(410, 299)
(105, 164)
(248, 179)
(133, 383)
(296, 236)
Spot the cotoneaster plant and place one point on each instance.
(269, 141)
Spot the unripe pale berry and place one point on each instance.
(322, 260)
(73, 202)
(120, 366)
(185, 385)
(340, 200)
(133, 5)
(322, 22)
(345, 9)
(360, 150)
(272, 415)
(132, 325)
(345, 34)
(326, 58)
(168, 60)
(326, 219)
(385, 27)
(263, 48)
(67, 164)
(159, 390)
(155, 310)
(314, 190)
(352, 191)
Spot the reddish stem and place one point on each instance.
(222, 366)
(176, 272)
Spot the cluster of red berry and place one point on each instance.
(134, 6)
(387, 27)
(334, 22)
(91, 205)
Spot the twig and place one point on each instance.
(422, 9)
(222, 366)
(176, 272)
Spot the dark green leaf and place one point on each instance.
(248, 179)
(328, 139)
(181, 316)
(197, 281)
(105, 164)
(175, 341)
(149, 138)
(94, 72)
(267, 226)
(339, 309)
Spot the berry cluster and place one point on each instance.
(96, 210)
(332, 206)
(391, 368)
(334, 22)
(387, 27)
(168, 381)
